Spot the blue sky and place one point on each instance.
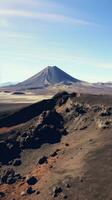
(75, 35)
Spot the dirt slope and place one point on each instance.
(65, 150)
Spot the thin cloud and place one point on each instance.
(32, 3)
(50, 17)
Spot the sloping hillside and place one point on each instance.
(58, 149)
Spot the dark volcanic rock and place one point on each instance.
(8, 151)
(30, 190)
(65, 196)
(107, 112)
(54, 118)
(61, 97)
(54, 154)
(80, 109)
(32, 180)
(49, 129)
(56, 191)
(42, 160)
(27, 113)
(9, 176)
(37, 192)
(27, 142)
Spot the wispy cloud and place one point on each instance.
(51, 17)
(32, 3)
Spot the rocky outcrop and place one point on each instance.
(8, 151)
(9, 176)
(104, 123)
(48, 129)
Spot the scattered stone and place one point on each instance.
(104, 123)
(66, 144)
(32, 180)
(42, 160)
(90, 140)
(11, 180)
(56, 191)
(54, 154)
(68, 185)
(30, 190)
(37, 192)
(65, 196)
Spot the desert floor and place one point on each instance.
(22, 98)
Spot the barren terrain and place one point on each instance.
(9, 97)
(59, 148)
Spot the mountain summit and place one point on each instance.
(47, 77)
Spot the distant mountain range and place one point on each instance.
(7, 84)
(107, 84)
(53, 78)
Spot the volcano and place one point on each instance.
(47, 77)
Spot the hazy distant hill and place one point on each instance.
(106, 84)
(7, 84)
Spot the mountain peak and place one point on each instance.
(50, 68)
(49, 76)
